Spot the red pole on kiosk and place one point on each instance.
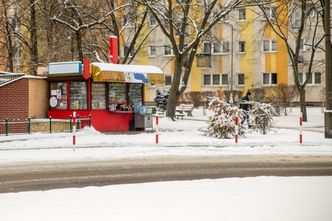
(74, 129)
(236, 128)
(157, 130)
(114, 51)
(301, 120)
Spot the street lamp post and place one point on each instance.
(231, 60)
(328, 71)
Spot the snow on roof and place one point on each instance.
(9, 78)
(128, 68)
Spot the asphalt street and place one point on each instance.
(31, 176)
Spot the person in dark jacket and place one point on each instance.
(245, 106)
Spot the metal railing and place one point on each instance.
(80, 122)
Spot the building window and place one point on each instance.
(270, 78)
(216, 49)
(211, 79)
(271, 12)
(266, 78)
(216, 79)
(240, 79)
(168, 80)
(300, 77)
(152, 51)
(98, 96)
(152, 21)
(317, 79)
(242, 14)
(274, 78)
(270, 45)
(78, 95)
(302, 45)
(206, 79)
(224, 79)
(206, 48)
(311, 9)
(168, 51)
(131, 52)
(296, 18)
(225, 47)
(226, 17)
(59, 91)
(242, 46)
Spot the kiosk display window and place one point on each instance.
(135, 94)
(117, 96)
(117, 93)
(59, 92)
(98, 96)
(78, 95)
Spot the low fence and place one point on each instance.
(47, 125)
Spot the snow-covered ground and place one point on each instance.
(245, 199)
(182, 137)
(235, 199)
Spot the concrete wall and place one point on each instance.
(38, 98)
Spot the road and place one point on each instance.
(51, 175)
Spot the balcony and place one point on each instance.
(203, 60)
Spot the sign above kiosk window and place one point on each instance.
(65, 68)
(102, 72)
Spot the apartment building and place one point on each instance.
(241, 53)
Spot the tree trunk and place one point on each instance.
(33, 37)
(174, 91)
(79, 45)
(303, 103)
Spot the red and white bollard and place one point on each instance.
(301, 120)
(236, 128)
(157, 130)
(74, 128)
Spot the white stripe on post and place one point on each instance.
(157, 129)
(236, 128)
(301, 120)
(74, 129)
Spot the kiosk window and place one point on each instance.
(59, 90)
(98, 96)
(135, 94)
(78, 95)
(117, 93)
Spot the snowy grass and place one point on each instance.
(236, 199)
(182, 137)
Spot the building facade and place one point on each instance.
(241, 53)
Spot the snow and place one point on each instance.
(182, 137)
(236, 199)
(107, 67)
(255, 198)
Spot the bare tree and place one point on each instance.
(78, 19)
(8, 27)
(290, 21)
(185, 23)
(128, 24)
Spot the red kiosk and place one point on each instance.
(110, 93)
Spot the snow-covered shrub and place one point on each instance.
(222, 123)
(161, 99)
(263, 116)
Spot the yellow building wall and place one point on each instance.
(277, 61)
(246, 59)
